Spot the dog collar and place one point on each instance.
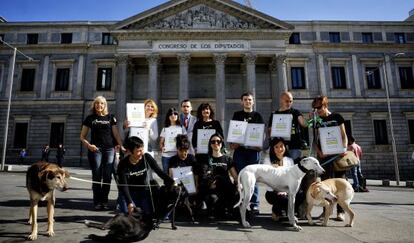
(303, 169)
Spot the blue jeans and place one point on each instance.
(141, 199)
(165, 163)
(101, 166)
(355, 172)
(295, 153)
(243, 157)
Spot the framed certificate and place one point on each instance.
(142, 133)
(203, 135)
(170, 135)
(331, 140)
(237, 131)
(185, 175)
(254, 135)
(281, 126)
(135, 114)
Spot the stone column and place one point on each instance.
(275, 92)
(79, 77)
(120, 96)
(153, 62)
(183, 60)
(388, 72)
(250, 61)
(45, 72)
(219, 61)
(282, 64)
(321, 70)
(357, 82)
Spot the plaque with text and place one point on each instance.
(135, 114)
(331, 140)
(254, 135)
(185, 175)
(142, 133)
(203, 136)
(170, 136)
(281, 126)
(237, 131)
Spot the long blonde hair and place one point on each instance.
(96, 100)
(152, 102)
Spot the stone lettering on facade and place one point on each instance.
(231, 45)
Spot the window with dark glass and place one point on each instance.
(294, 38)
(373, 77)
(348, 128)
(62, 79)
(107, 39)
(20, 135)
(1, 39)
(32, 38)
(57, 130)
(367, 38)
(411, 130)
(380, 130)
(66, 38)
(28, 78)
(334, 37)
(104, 79)
(298, 77)
(406, 77)
(338, 77)
(399, 38)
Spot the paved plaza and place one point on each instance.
(385, 214)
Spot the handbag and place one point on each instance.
(348, 161)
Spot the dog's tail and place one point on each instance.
(240, 190)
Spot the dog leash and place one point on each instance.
(104, 183)
(330, 160)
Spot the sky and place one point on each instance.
(110, 10)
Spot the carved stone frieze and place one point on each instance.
(199, 17)
(250, 58)
(153, 59)
(219, 58)
(121, 59)
(184, 58)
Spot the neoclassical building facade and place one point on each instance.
(210, 51)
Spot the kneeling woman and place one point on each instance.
(134, 179)
(279, 157)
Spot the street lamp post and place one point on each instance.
(6, 128)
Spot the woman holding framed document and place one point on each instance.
(172, 127)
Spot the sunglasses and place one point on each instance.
(215, 142)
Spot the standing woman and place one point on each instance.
(171, 120)
(101, 151)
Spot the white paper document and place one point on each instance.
(142, 133)
(254, 135)
(237, 131)
(203, 136)
(331, 140)
(281, 126)
(135, 114)
(185, 175)
(170, 136)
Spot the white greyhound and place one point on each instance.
(284, 179)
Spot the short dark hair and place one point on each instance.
(200, 109)
(133, 142)
(182, 142)
(246, 94)
(186, 100)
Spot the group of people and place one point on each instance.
(60, 154)
(215, 172)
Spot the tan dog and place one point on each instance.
(326, 194)
(42, 179)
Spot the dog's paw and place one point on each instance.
(51, 233)
(246, 225)
(32, 237)
(297, 228)
(311, 223)
(348, 225)
(174, 227)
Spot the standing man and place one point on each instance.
(244, 156)
(285, 107)
(188, 121)
(359, 181)
(60, 153)
(45, 153)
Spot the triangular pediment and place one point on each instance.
(201, 15)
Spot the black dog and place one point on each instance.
(124, 228)
(171, 198)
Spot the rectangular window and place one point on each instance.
(294, 38)
(20, 135)
(62, 79)
(107, 39)
(1, 39)
(373, 77)
(399, 38)
(298, 77)
(380, 130)
(334, 37)
(28, 78)
(66, 38)
(348, 128)
(338, 77)
(367, 38)
(411, 130)
(406, 77)
(104, 79)
(57, 130)
(32, 39)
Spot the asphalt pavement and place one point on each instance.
(385, 214)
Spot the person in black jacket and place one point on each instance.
(134, 179)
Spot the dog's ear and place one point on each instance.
(315, 190)
(64, 172)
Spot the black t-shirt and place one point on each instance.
(101, 130)
(333, 119)
(250, 117)
(214, 124)
(175, 161)
(221, 165)
(295, 136)
(136, 174)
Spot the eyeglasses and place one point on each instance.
(215, 142)
(318, 107)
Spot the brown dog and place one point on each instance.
(327, 193)
(42, 179)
